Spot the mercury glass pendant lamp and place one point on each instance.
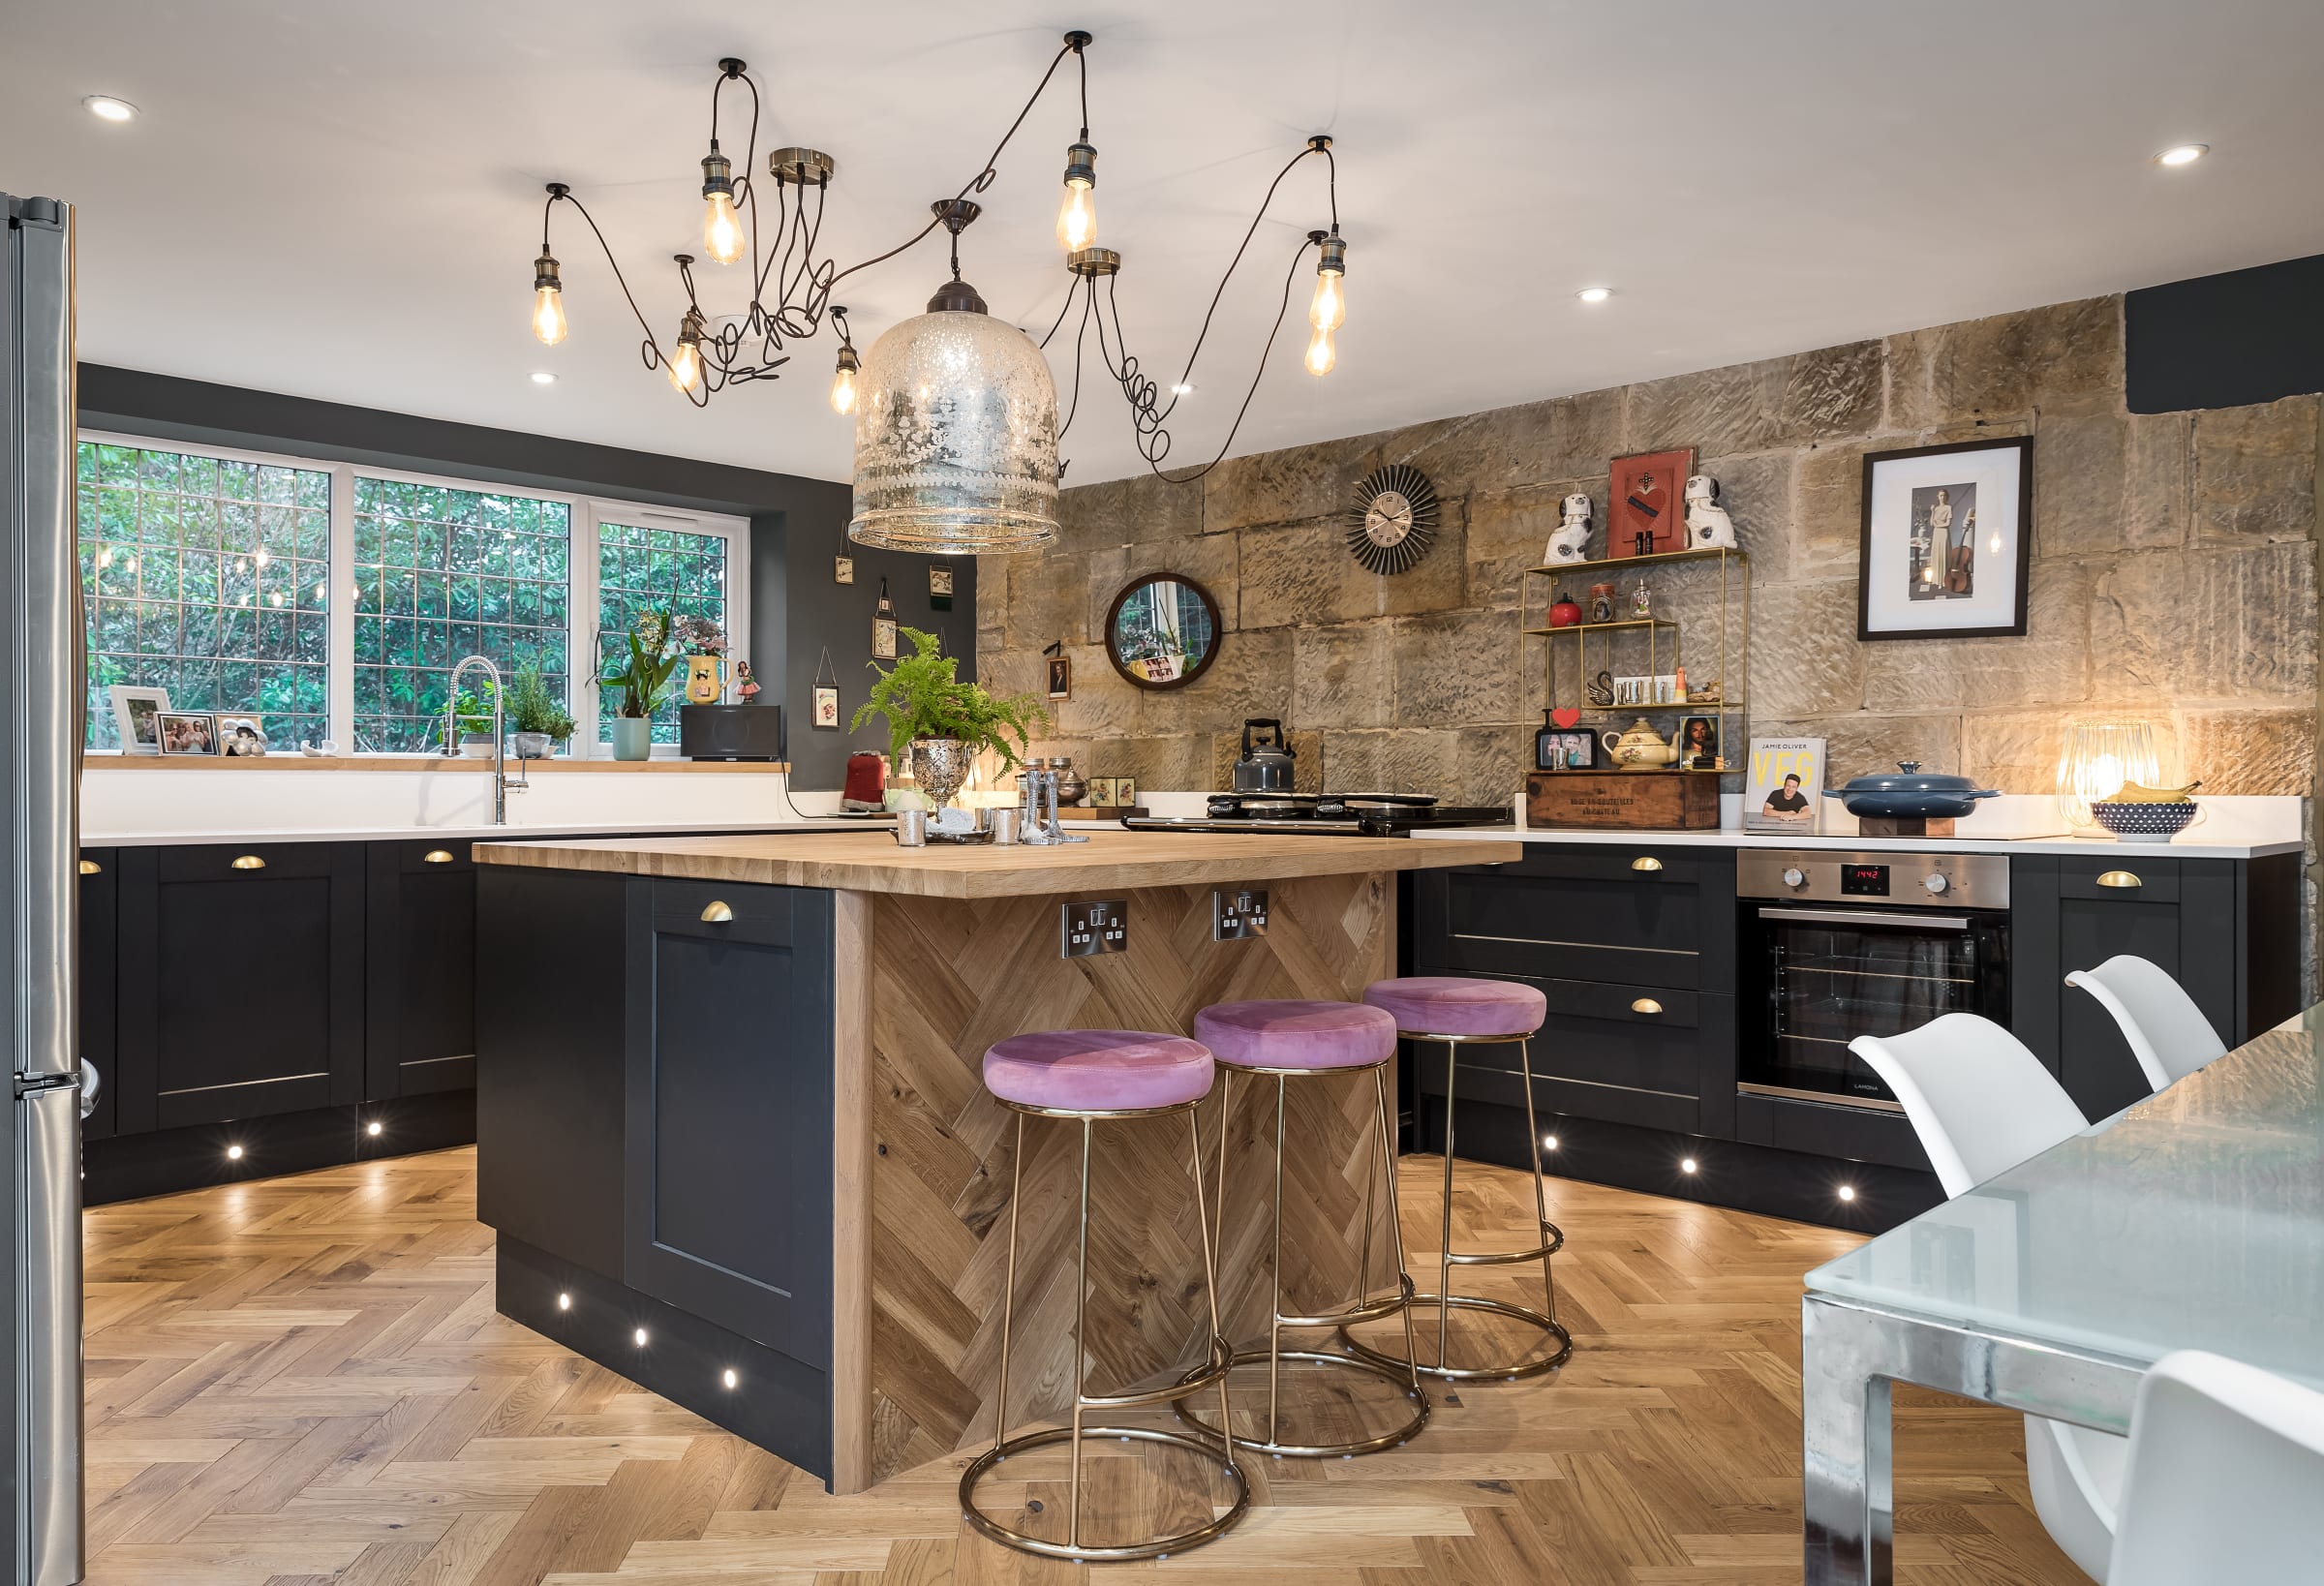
(956, 433)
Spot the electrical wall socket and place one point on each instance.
(1238, 915)
(1089, 928)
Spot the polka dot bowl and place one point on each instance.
(2144, 822)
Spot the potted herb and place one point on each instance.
(471, 717)
(642, 677)
(941, 722)
(536, 720)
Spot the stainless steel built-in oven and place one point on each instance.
(1838, 945)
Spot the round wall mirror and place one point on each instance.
(1163, 631)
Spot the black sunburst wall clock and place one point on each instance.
(1394, 520)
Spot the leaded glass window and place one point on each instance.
(640, 571)
(442, 573)
(210, 577)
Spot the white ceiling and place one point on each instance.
(342, 201)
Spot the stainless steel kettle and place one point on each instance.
(1266, 766)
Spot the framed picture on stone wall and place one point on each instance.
(1948, 535)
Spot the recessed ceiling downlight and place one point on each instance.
(105, 108)
(1595, 294)
(2182, 154)
(541, 376)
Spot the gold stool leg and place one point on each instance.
(1081, 1352)
(1384, 1139)
(1218, 1339)
(1274, 1310)
(1445, 1299)
(1008, 1290)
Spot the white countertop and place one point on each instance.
(469, 834)
(2232, 828)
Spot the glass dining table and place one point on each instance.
(2191, 1220)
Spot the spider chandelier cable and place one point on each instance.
(791, 281)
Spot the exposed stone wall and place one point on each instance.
(2173, 577)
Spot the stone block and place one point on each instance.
(1455, 671)
(1489, 765)
(1756, 491)
(1049, 600)
(1297, 484)
(2252, 751)
(2255, 473)
(2014, 750)
(1805, 658)
(2081, 475)
(1827, 538)
(1178, 763)
(1861, 742)
(1416, 760)
(1505, 449)
(1353, 761)
(1104, 704)
(1341, 676)
(2215, 625)
(2049, 664)
(1251, 676)
(2065, 355)
(1138, 509)
(1303, 574)
(2155, 484)
(1754, 407)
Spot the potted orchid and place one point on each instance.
(704, 645)
(642, 676)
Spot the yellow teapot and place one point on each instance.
(1639, 749)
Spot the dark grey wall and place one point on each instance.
(797, 525)
(2225, 341)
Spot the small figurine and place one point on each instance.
(746, 687)
(1641, 602)
(1707, 523)
(1570, 541)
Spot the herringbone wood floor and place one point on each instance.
(302, 1381)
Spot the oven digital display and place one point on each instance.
(1864, 880)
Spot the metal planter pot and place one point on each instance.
(939, 765)
(531, 746)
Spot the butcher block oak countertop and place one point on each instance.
(1112, 859)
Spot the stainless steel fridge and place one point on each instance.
(43, 696)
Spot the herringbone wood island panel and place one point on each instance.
(302, 1381)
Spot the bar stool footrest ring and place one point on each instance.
(1391, 1371)
(1548, 1326)
(1207, 1447)
(1553, 1238)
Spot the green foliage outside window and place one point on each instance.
(642, 572)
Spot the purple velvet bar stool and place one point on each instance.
(1309, 1041)
(1456, 1011)
(1095, 1077)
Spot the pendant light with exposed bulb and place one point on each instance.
(844, 378)
(1077, 212)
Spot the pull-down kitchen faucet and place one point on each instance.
(502, 787)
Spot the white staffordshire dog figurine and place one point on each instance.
(1707, 522)
(1570, 541)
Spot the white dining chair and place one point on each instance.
(2226, 1464)
(1981, 1104)
(2167, 1032)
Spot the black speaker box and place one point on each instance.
(730, 732)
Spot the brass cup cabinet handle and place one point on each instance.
(1646, 862)
(2119, 878)
(90, 866)
(1646, 1005)
(250, 862)
(437, 856)
(716, 912)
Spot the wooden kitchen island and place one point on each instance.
(729, 1103)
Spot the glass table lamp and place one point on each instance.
(2098, 758)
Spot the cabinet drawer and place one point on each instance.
(231, 862)
(2123, 877)
(724, 911)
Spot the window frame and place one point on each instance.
(586, 512)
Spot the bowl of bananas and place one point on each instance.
(2136, 814)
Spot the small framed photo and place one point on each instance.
(1698, 742)
(1565, 750)
(137, 715)
(1060, 677)
(883, 638)
(827, 706)
(842, 569)
(1125, 792)
(241, 737)
(1947, 540)
(188, 732)
(939, 586)
(1101, 792)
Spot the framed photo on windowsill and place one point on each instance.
(1947, 540)
(138, 717)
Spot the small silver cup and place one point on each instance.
(912, 828)
(1003, 820)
